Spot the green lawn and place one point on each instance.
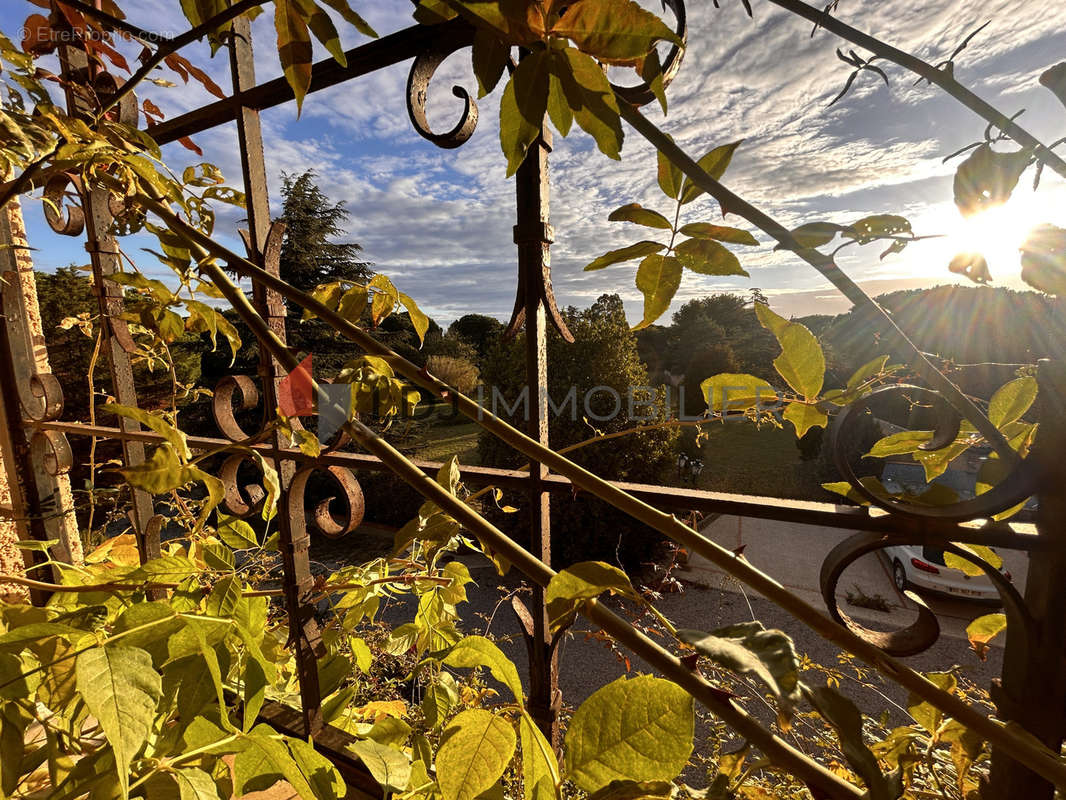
(740, 458)
(439, 438)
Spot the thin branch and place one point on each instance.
(142, 35)
(942, 78)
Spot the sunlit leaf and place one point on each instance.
(708, 257)
(734, 392)
(476, 748)
(714, 164)
(631, 729)
(802, 362)
(583, 581)
(634, 212)
(658, 278)
(625, 254)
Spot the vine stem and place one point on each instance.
(935, 76)
(734, 204)
(1030, 753)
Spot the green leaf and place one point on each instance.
(804, 417)
(1011, 401)
(748, 648)
(540, 768)
(583, 581)
(707, 257)
(317, 770)
(984, 629)
(877, 226)
(658, 278)
(842, 714)
(477, 651)
(225, 595)
(866, 372)
(294, 48)
(324, 30)
(634, 212)
(236, 533)
(418, 317)
(721, 233)
(156, 423)
(625, 254)
(489, 56)
(670, 176)
(814, 234)
(591, 98)
(613, 30)
(732, 392)
(349, 16)
(901, 443)
(121, 689)
(353, 303)
(390, 767)
(559, 111)
(801, 363)
(265, 759)
(633, 728)
(714, 164)
(186, 783)
(952, 561)
(440, 696)
(522, 108)
(160, 473)
(926, 714)
(476, 748)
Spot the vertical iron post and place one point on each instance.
(304, 633)
(533, 235)
(106, 260)
(1032, 691)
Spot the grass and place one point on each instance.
(740, 458)
(439, 437)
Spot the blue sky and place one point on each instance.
(439, 222)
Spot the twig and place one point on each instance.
(942, 78)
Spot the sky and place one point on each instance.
(438, 222)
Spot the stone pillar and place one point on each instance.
(35, 503)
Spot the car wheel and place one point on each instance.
(899, 576)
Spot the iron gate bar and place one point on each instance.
(102, 245)
(264, 246)
(533, 237)
(1018, 536)
(378, 54)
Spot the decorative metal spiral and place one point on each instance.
(222, 407)
(240, 501)
(350, 492)
(924, 631)
(418, 80)
(51, 449)
(1020, 483)
(64, 217)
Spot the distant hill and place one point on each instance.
(968, 325)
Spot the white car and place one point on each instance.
(923, 569)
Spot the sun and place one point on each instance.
(997, 234)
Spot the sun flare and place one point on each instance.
(997, 234)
